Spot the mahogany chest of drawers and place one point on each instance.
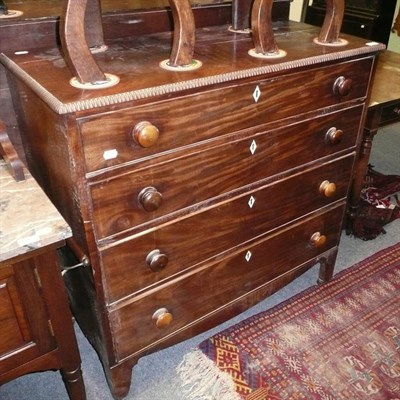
(195, 194)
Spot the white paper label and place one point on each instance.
(110, 154)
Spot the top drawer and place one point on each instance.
(122, 136)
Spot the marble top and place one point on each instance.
(28, 219)
(386, 84)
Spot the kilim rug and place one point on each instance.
(336, 341)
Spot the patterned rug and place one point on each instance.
(337, 341)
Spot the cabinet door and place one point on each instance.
(25, 329)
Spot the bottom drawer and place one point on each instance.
(183, 301)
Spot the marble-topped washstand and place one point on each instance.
(28, 219)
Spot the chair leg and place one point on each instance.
(73, 39)
(330, 29)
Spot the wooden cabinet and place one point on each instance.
(25, 321)
(384, 109)
(195, 194)
(36, 323)
(364, 18)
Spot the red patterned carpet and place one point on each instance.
(338, 341)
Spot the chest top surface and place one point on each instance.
(223, 54)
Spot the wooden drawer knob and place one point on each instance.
(333, 136)
(327, 188)
(150, 199)
(163, 318)
(145, 134)
(342, 86)
(317, 240)
(156, 260)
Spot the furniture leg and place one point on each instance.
(10, 156)
(327, 265)
(184, 33)
(73, 38)
(241, 11)
(94, 27)
(332, 23)
(3, 8)
(119, 379)
(55, 294)
(74, 383)
(263, 35)
(370, 129)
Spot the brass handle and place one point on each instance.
(145, 134)
(156, 260)
(162, 317)
(342, 86)
(317, 240)
(327, 188)
(150, 199)
(333, 136)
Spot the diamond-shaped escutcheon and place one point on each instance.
(256, 94)
(248, 256)
(253, 147)
(251, 202)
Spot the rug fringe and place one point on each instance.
(203, 380)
